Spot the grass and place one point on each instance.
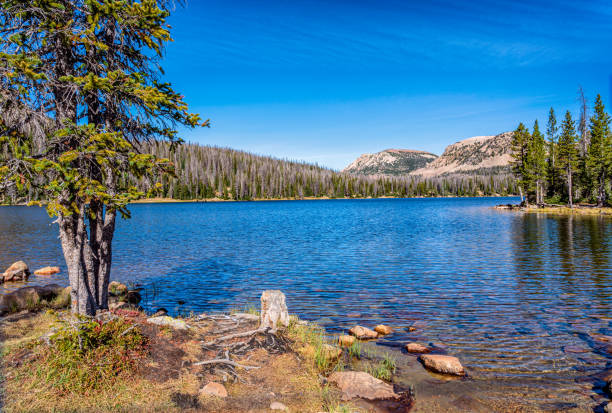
(249, 308)
(355, 349)
(384, 369)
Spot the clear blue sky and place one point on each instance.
(324, 81)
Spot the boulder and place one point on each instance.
(168, 321)
(160, 312)
(442, 364)
(274, 311)
(47, 271)
(363, 333)
(346, 341)
(331, 352)
(417, 348)
(278, 406)
(359, 384)
(383, 330)
(26, 298)
(116, 289)
(214, 389)
(133, 297)
(18, 271)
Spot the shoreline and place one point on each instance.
(581, 210)
(325, 198)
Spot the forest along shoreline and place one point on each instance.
(249, 359)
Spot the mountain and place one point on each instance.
(480, 155)
(390, 162)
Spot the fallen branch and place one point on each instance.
(225, 361)
(237, 335)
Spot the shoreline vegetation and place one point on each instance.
(124, 359)
(161, 200)
(589, 210)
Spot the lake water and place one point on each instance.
(521, 298)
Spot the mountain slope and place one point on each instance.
(390, 162)
(480, 155)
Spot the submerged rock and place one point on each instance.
(346, 341)
(417, 348)
(214, 389)
(47, 271)
(168, 321)
(442, 364)
(359, 384)
(18, 271)
(274, 311)
(363, 333)
(383, 329)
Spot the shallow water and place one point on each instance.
(517, 297)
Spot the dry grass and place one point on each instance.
(577, 210)
(166, 381)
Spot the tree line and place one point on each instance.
(570, 162)
(209, 172)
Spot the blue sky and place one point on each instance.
(324, 81)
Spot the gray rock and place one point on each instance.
(168, 321)
(18, 271)
(278, 406)
(27, 298)
(359, 384)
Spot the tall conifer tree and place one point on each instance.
(568, 153)
(598, 159)
(521, 148)
(538, 162)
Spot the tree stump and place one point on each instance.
(273, 310)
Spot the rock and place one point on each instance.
(608, 407)
(274, 311)
(383, 330)
(160, 312)
(18, 271)
(116, 289)
(214, 389)
(47, 271)
(331, 352)
(359, 384)
(417, 348)
(133, 297)
(278, 406)
(346, 341)
(411, 329)
(442, 364)
(26, 298)
(168, 321)
(363, 333)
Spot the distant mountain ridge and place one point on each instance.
(390, 162)
(479, 155)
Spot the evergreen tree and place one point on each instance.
(80, 90)
(538, 162)
(599, 154)
(552, 172)
(521, 160)
(568, 153)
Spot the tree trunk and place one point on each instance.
(569, 189)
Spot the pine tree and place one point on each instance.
(538, 162)
(521, 150)
(81, 88)
(552, 172)
(568, 153)
(599, 154)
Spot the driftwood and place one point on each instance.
(236, 335)
(225, 361)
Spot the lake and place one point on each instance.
(520, 298)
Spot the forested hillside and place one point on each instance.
(207, 172)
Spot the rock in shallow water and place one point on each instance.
(47, 271)
(18, 271)
(442, 364)
(363, 333)
(346, 341)
(383, 329)
(359, 384)
(417, 348)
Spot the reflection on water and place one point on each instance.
(523, 298)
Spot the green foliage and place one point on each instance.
(87, 354)
(384, 369)
(355, 349)
(522, 158)
(599, 155)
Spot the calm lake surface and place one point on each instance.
(522, 298)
